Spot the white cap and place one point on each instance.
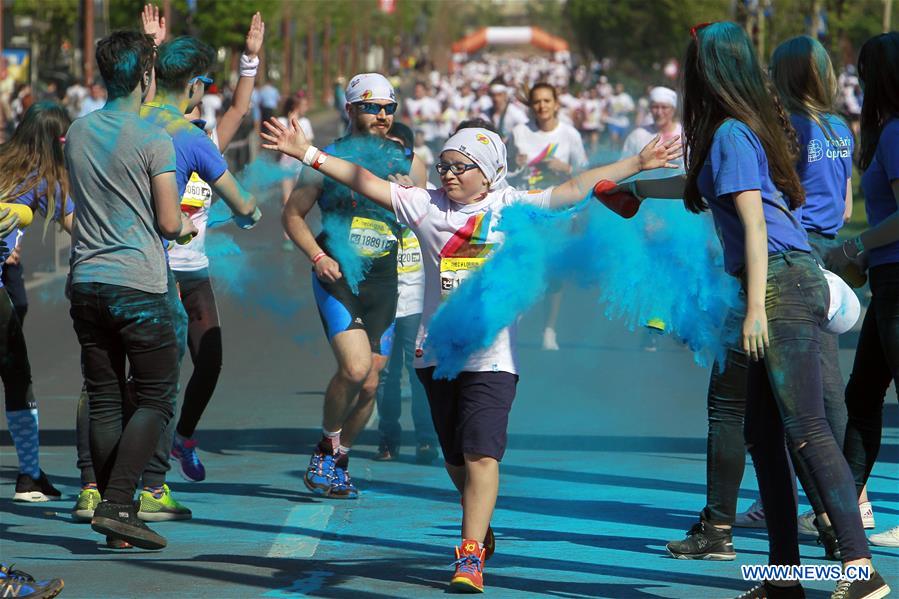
(844, 309)
(369, 86)
(663, 95)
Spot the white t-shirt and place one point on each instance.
(195, 203)
(410, 276)
(639, 137)
(425, 115)
(562, 143)
(212, 104)
(620, 106)
(505, 124)
(456, 239)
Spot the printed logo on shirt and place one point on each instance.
(371, 238)
(465, 252)
(815, 151)
(483, 139)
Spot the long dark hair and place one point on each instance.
(878, 71)
(34, 154)
(723, 79)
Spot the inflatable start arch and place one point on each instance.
(512, 36)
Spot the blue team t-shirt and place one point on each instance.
(194, 151)
(824, 166)
(38, 200)
(880, 202)
(737, 162)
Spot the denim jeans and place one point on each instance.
(785, 396)
(726, 451)
(876, 364)
(389, 391)
(115, 324)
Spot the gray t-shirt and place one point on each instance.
(111, 157)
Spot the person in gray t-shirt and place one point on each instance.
(122, 178)
(112, 156)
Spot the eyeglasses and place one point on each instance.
(456, 168)
(695, 29)
(205, 79)
(375, 108)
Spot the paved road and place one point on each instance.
(606, 463)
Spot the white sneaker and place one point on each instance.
(867, 514)
(754, 517)
(889, 538)
(549, 339)
(807, 524)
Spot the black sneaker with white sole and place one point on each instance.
(120, 521)
(704, 541)
(31, 490)
(873, 588)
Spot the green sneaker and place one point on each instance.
(158, 505)
(88, 500)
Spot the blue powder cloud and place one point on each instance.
(665, 263)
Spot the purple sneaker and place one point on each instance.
(186, 453)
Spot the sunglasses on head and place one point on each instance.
(375, 108)
(206, 80)
(456, 168)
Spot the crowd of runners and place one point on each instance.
(410, 198)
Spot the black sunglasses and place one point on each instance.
(456, 168)
(374, 108)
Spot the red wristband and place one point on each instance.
(317, 257)
(319, 160)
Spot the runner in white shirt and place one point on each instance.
(552, 152)
(295, 106)
(424, 113)
(663, 108)
(504, 115)
(621, 105)
(456, 226)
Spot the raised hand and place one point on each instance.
(153, 24)
(255, 36)
(660, 155)
(288, 139)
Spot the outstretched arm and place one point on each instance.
(654, 155)
(240, 104)
(290, 140)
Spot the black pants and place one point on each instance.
(15, 370)
(14, 283)
(115, 324)
(876, 364)
(204, 341)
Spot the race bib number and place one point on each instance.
(408, 259)
(455, 270)
(371, 238)
(197, 195)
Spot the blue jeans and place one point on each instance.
(876, 364)
(785, 396)
(389, 391)
(115, 324)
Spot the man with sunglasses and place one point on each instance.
(359, 326)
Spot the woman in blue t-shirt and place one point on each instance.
(32, 172)
(877, 357)
(741, 165)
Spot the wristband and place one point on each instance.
(316, 258)
(248, 66)
(320, 160)
(857, 242)
(309, 156)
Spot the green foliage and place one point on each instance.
(54, 23)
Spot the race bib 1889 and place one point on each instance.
(371, 238)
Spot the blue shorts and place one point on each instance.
(373, 310)
(470, 412)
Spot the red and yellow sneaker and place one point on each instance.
(469, 576)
